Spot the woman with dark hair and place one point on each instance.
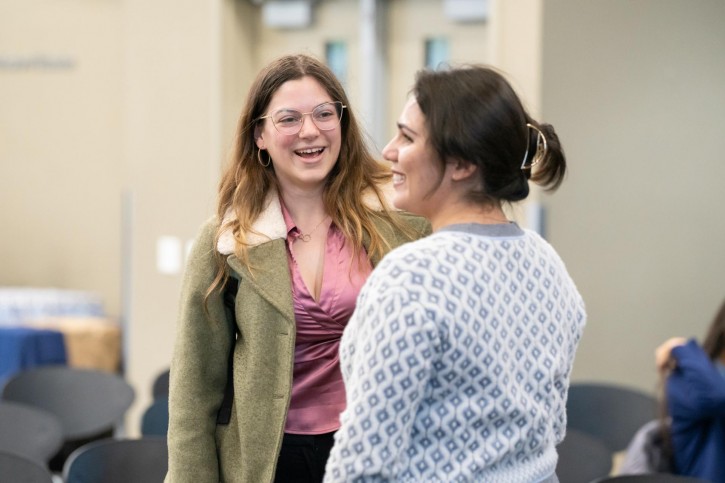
(255, 387)
(695, 401)
(457, 359)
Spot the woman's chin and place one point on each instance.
(399, 202)
(402, 203)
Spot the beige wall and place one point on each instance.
(239, 27)
(637, 93)
(61, 145)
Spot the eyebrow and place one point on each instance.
(405, 127)
(285, 108)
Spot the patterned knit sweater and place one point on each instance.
(457, 360)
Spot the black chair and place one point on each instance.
(155, 419)
(650, 478)
(141, 460)
(582, 458)
(88, 403)
(29, 432)
(160, 388)
(609, 412)
(18, 469)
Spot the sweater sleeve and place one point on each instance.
(695, 389)
(386, 371)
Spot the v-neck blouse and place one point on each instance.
(318, 393)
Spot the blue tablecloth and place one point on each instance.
(23, 348)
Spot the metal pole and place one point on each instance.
(373, 70)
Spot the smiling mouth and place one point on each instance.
(398, 178)
(309, 153)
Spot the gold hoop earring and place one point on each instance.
(259, 158)
(540, 143)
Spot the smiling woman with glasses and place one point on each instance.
(255, 390)
(326, 116)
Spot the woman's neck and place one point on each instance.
(306, 209)
(461, 214)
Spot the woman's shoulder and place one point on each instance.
(420, 224)
(422, 251)
(206, 236)
(398, 228)
(208, 229)
(691, 351)
(211, 224)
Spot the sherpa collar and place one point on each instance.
(267, 227)
(270, 224)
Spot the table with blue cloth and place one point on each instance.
(23, 348)
(19, 305)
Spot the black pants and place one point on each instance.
(303, 458)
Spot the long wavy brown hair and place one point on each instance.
(245, 183)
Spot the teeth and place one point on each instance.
(310, 151)
(398, 178)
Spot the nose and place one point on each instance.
(308, 128)
(390, 153)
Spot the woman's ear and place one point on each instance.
(259, 138)
(462, 170)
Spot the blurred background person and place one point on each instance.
(695, 401)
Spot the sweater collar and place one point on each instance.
(493, 230)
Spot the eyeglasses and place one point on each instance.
(326, 116)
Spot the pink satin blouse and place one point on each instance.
(318, 393)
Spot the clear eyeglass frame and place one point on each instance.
(289, 121)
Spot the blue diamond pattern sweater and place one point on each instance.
(457, 361)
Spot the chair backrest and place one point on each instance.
(160, 388)
(18, 469)
(29, 432)
(650, 478)
(582, 458)
(609, 412)
(155, 420)
(143, 460)
(87, 402)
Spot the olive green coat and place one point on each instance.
(246, 449)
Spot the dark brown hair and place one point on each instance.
(473, 115)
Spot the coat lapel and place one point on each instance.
(270, 277)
